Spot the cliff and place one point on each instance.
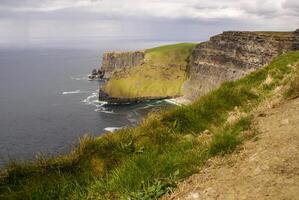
(233, 54)
(188, 70)
(117, 60)
(151, 74)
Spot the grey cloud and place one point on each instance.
(144, 19)
(176, 9)
(38, 5)
(10, 4)
(292, 6)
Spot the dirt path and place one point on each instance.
(266, 168)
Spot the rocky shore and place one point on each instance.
(97, 74)
(103, 96)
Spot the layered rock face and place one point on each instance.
(117, 60)
(161, 72)
(233, 54)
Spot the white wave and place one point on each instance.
(72, 92)
(102, 102)
(173, 101)
(92, 99)
(105, 111)
(132, 120)
(80, 77)
(99, 110)
(99, 103)
(148, 106)
(112, 129)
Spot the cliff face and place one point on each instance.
(163, 71)
(233, 54)
(118, 60)
(155, 73)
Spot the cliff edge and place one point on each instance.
(155, 73)
(118, 60)
(188, 70)
(233, 54)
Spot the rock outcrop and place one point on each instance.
(96, 74)
(117, 60)
(233, 54)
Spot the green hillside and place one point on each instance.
(146, 161)
(162, 74)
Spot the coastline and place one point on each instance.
(171, 144)
(103, 96)
(179, 101)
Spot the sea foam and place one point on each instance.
(112, 129)
(72, 92)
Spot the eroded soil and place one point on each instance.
(265, 167)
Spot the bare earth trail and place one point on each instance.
(263, 168)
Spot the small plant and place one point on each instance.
(127, 147)
(293, 90)
(223, 143)
(227, 139)
(154, 190)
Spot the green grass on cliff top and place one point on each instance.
(162, 74)
(170, 54)
(275, 33)
(144, 162)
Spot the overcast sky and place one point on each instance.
(27, 20)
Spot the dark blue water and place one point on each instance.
(47, 103)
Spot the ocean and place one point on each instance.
(47, 103)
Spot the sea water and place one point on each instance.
(47, 101)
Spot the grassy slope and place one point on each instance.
(162, 74)
(275, 33)
(144, 162)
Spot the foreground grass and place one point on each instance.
(292, 91)
(146, 161)
(162, 74)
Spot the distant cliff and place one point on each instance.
(140, 75)
(191, 70)
(117, 60)
(233, 54)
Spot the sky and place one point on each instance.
(25, 21)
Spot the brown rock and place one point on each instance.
(113, 61)
(233, 54)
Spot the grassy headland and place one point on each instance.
(162, 73)
(145, 162)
